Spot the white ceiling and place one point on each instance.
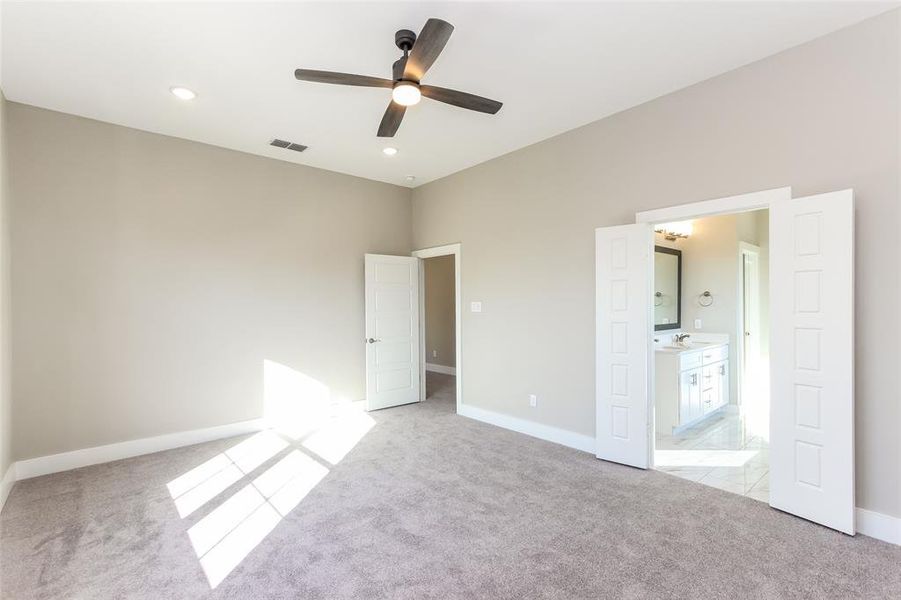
(555, 66)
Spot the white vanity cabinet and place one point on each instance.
(690, 383)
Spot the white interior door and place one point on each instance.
(392, 330)
(622, 347)
(749, 332)
(812, 358)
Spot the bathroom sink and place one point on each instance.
(689, 346)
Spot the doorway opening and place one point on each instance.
(710, 351)
(439, 320)
(439, 325)
(811, 348)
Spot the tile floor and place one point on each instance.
(721, 452)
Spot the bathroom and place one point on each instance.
(711, 368)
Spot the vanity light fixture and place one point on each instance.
(674, 231)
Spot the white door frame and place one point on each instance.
(447, 250)
(695, 210)
(745, 248)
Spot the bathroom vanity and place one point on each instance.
(691, 383)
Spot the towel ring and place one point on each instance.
(658, 298)
(705, 299)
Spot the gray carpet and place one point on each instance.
(432, 505)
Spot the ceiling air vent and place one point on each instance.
(288, 145)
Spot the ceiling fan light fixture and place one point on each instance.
(420, 51)
(406, 93)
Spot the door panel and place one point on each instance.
(392, 330)
(708, 400)
(623, 326)
(812, 359)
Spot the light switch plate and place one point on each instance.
(697, 323)
(475, 306)
(533, 400)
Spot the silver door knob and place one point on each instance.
(373, 340)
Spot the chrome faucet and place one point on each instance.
(679, 338)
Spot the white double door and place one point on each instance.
(811, 353)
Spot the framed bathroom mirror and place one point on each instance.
(667, 288)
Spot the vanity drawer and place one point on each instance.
(715, 354)
(690, 360)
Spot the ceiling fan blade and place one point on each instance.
(391, 121)
(461, 99)
(428, 46)
(342, 78)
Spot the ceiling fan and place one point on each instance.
(406, 90)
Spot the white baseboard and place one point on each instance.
(44, 465)
(6, 484)
(544, 432)
(440, 369)
(880, 526)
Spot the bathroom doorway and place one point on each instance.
(811, 348)
(708, 313)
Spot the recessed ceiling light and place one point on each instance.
(183, 93)
(389, 151)
(411, 178)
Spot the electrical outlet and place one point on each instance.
(434, 354)
(533, 400)
(697, 323)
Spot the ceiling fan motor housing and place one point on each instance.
(397, 71)
(404, 39)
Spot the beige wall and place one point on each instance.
(153, 276)
(440, 314)
(6, 452)
(819, 117)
